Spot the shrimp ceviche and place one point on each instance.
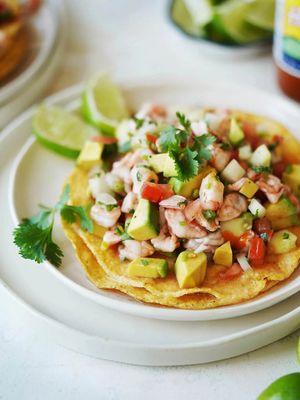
(193, 209)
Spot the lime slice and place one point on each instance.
(230, 19)
(191, 15)
(261, 14)
(61, 131)
(285, 388)
(103, 104)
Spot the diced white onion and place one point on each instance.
(256, 208)
(261, 156)
(245, 152)
(233, 172)
(242, 260)
(199, 128)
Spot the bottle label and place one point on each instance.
(287, 36)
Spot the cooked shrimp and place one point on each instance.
(207, 244)
(234, 205)
(180, 227)
(236, 186)
(253, 175)
(154, 111)
(104, 217)
(272, 187)
(141, 174)
(123, 167)
(193, 211)
(165, 241)
(130, 202)
(111, 238)
(220, 158)
(114, 182)
(132, 249)
(211, 192)
(175, 202)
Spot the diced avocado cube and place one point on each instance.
(187, 188)
(190, 269)
(236, 135)
(233, 171)
(256, 208)
(249, 188)
(238, 226)
(261, 156)
(282, 242)
(283, 208)
(223, 255)
(291, 177)
(282, 214)
(162, 163)
(144, 224)
(286, 222)
(90, 155)
(148, 268)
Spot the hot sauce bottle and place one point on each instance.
(286, 48)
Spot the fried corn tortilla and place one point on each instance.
(106, 271)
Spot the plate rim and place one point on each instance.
(143, 310)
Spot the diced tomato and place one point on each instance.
(151, 138)
(278, 168)
(257, 251)
(278, 139)
(251, 134)
(232, 272)
(104, 139)
(238, 242)
(155, 192)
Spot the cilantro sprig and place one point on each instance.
(33, 236)
(188, 152)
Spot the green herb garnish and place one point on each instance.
(33, 236)
(144, 262)
(209, 214)
(188, 152)
(261, 169)
(138, 122)
(285, 235)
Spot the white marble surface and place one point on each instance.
(133, 40)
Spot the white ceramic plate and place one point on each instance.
(47, 31)
(37, 177)
(59, 313)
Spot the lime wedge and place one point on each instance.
(230, 19)
(103, 104)
(285, 388)
(261, 14)
(191, 15)
(61, 131)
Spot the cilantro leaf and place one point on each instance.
(261, 169)
(33, 236)
(186, 164)
(168, 139)
(71, 213)
(186, 123)
(35, 243)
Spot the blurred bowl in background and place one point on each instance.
(231, 23)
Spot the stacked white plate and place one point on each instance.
(30, 80)
(70, 310)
